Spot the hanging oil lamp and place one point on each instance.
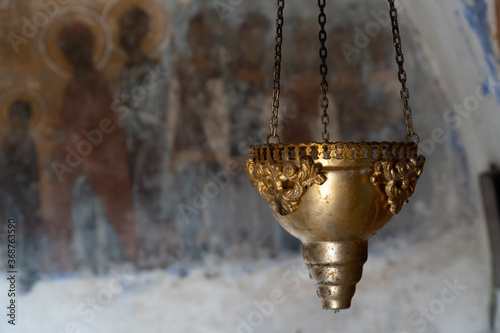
(333, 196)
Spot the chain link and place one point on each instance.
(323, 69)
(405, 93)
(273, 124)
(402, 76)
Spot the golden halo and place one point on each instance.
(38, 108)
(48, 41)
(159, 32)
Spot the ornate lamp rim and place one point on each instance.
(334, 152)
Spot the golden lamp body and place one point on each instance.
(333, 197)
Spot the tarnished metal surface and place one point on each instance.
(336, 268)
(353, 192)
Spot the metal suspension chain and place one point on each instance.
(405, 93)
(323, 69)
(277, 73)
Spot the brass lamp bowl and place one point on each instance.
(334, 197)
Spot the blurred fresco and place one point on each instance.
(138, 128)
(125, 126)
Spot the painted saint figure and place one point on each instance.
(301, 94)
(93, 145)
(200, 140)
(142, 90)
(248, 86)
(20, 175)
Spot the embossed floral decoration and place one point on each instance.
(284, 184)
(398, 176)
